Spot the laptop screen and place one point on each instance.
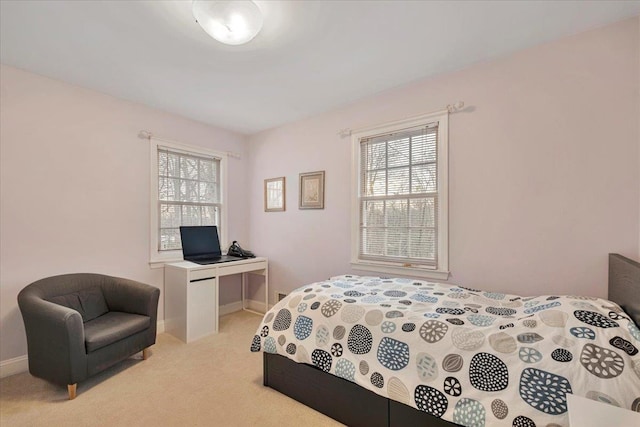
(200, 240)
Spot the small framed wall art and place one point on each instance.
(311, 190)
(274, 194)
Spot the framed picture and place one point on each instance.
(274, 194)
(311, 190)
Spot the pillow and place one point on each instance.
(90, 303)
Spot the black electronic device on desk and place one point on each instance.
(200, 244)
(236, 250)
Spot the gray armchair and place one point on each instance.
(80, 324)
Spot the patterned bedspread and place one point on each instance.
(471, 357)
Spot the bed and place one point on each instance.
(399, 352)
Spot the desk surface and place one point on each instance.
(193, 266)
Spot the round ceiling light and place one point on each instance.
(229, 22)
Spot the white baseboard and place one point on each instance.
(250, 304)
(257, 305)
(160, 327)
(17, 365)
(230, 308)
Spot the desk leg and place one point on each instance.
(217, 303)
(242, 291)
(266, 289)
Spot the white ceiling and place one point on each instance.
(311, 56)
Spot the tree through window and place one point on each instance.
(188, 194)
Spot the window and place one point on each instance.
(399, 211)
(186, 189)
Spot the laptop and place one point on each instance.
(200, 244)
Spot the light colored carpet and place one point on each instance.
(215, 381)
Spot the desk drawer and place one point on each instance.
(207, 273)
(231, 268)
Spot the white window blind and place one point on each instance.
(188, 194)
(398, 197)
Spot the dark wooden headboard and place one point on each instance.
(624, 285)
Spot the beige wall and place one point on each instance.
(75, 187)
(544, 169)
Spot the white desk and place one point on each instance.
(191, 294)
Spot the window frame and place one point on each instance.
(158, 258)
(441, 271)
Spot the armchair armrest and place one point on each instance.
(55, 340)
(130, 296)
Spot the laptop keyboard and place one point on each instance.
(213, 260)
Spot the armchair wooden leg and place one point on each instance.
(146, 353)
(72, 390)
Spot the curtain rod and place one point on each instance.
(145, 134)
(451, 108)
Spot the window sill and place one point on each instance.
(402, 271)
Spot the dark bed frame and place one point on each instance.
(355, 406)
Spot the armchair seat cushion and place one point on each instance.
(112, 327)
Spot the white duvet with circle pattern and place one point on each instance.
(470, 357)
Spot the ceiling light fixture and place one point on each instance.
(229, 22)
